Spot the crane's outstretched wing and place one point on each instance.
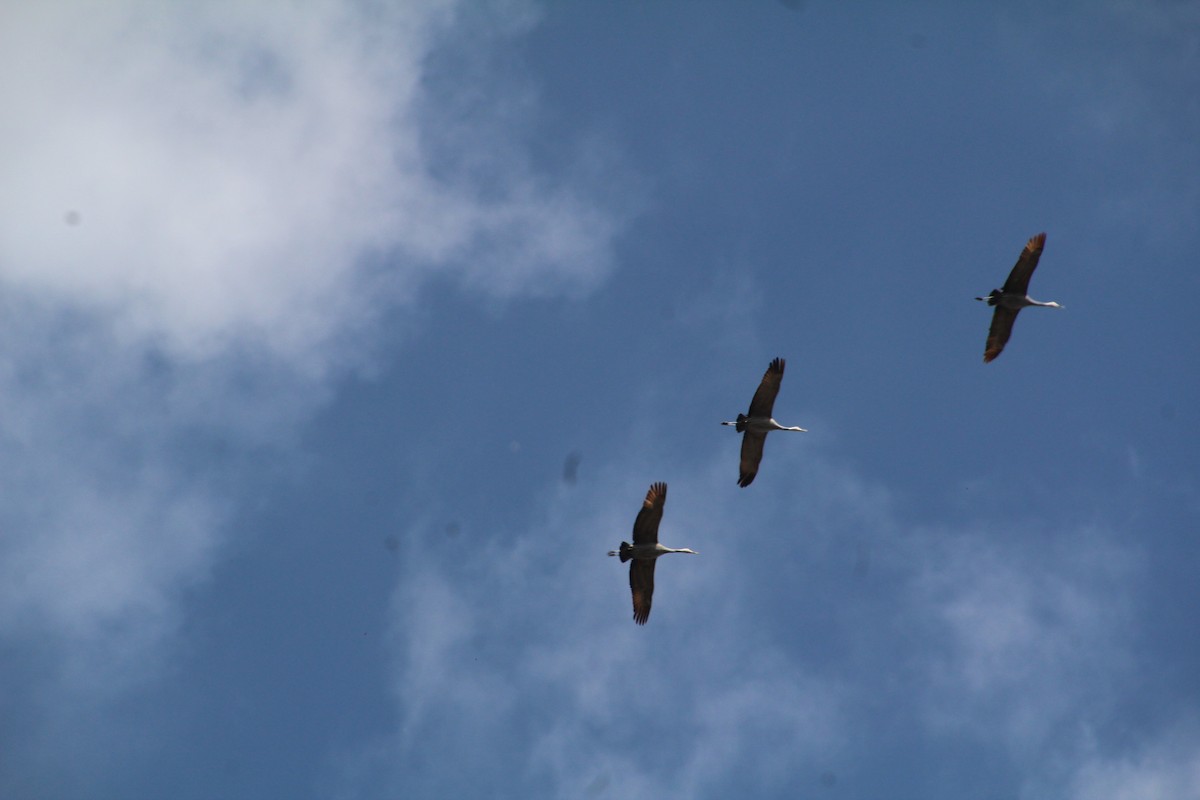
(752, 447)
(645, 527)
(1018, 279)
(764, 397)
(641, 582)
(1002, 324)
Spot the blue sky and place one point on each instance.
(309, 309)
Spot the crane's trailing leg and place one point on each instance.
(625, 553)
(738, 426)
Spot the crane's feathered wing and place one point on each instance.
(641, 583)
(641, 570)
(645, 527)
(1017, 284)
(998, 333)
(752, 450)
(763, 405)
(1022, 271)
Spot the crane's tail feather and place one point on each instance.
(626, 552)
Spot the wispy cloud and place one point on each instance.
(1163, 769)
(208, 209)
(521, 650)
(1023, 633)
(220, 176)
(1015, 640)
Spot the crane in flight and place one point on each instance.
(645, 550)
(755, 426)
(1013, 297)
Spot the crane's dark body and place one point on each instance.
(645, 551)
(755, 426)
(1009, 300)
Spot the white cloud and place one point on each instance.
(259, 175)
(529, 659)
(770, 657)
(1167, 768)
(1026, 632)
(102, 529)
(208, 208)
